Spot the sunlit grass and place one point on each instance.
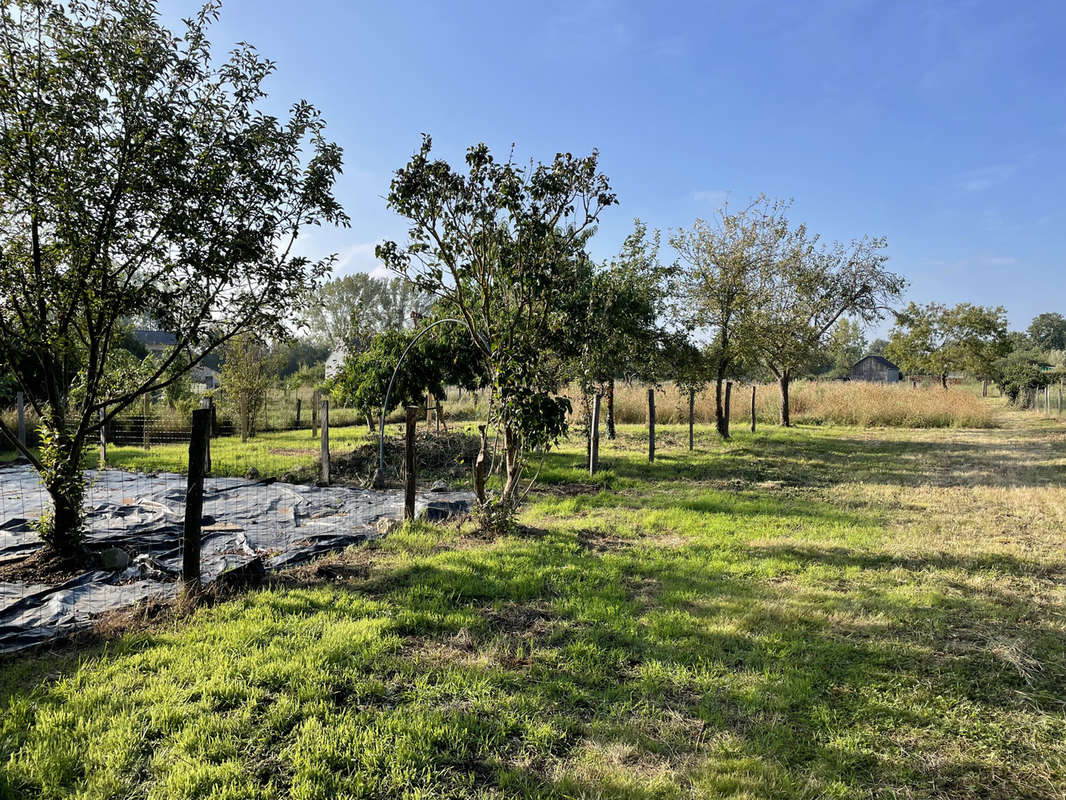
(822, 612)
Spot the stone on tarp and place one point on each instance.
(113, 558)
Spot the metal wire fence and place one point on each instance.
(137, 537)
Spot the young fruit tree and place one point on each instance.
(621, 330)
(724, 266)
(808, 290)
(140, 180)
(504, 246)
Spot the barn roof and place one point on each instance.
(884, 362)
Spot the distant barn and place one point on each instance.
(876, 369)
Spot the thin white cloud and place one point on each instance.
(978, 180)
(714, 197)
(357, 257)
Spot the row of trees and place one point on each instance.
(502, 248)
(972, 340)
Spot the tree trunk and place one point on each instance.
(719, 408)
(62, 529)
(512, 452)
(244, 416)
(728, 400)
(753, 408)
(944, 380)
(610, 409)
(786, 415)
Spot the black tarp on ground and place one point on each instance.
(247, 525)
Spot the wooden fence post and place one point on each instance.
(479, 465)
(594, 436)
(298, 402)
(691, 419)
(753, 408)
(208, 405)
(20, 401)
(651, 424)
(194, 501)
(409, 476)
(325, 442)
(984, 388)
(103, 439)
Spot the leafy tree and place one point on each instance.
(1020, 375)
(1048, 331)
(348, 312)
(619, 333)
(294, 355)
(723, 270)
(503, 245)
(845, 344)
(442, 356)
(139, 179)
(937, 340)
(245, 379)
(809, 289)
(877, 347)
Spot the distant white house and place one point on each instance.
(203, 378)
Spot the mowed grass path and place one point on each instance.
(807, 613)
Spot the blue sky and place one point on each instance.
(939, 125)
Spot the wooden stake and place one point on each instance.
(298, 403)
(409, 477)
(208, 405)
(194, 501)
(594, 436)
(753, 408)
(325, 442)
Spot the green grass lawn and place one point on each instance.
(807, 613)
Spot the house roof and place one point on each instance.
(879, 359)
(149, 337)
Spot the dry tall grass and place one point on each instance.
(867, 405)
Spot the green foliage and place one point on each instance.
(348, 312)
(703, 629)
(936, 340)
(295, 356)
(247, 370)
(1021, 375)
(845, 345)
(443, 356)
(504, 247)
(1048, 331)
(140, 179)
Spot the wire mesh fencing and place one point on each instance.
(137, 520)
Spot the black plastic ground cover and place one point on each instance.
(248, 527)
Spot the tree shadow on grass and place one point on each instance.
(543, 668)
(812, 457)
